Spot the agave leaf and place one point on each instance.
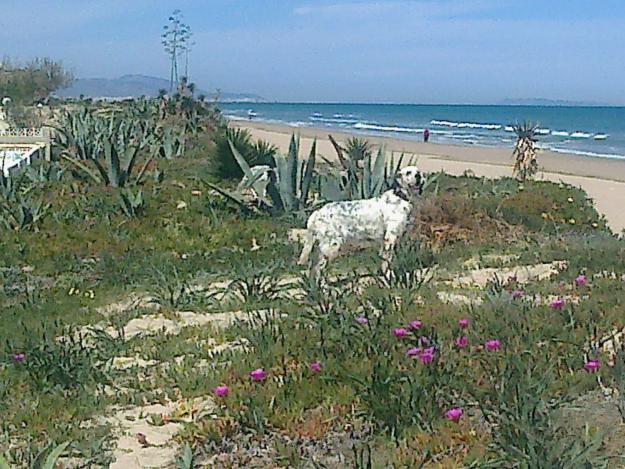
(366, 177)
(339, 152)
(83, 167)
(227, 194)
(308, 173)
(248, 172)
(378, 173)
(291, 171)
(283, 188)
(53, 457)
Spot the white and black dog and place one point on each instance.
(339, 227)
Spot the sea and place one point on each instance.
(591, 131)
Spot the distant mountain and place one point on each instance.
(546, 102)
(135, 86)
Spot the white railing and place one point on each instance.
(27, 132)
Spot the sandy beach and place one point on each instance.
(602, 179)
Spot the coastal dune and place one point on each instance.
(602, 178)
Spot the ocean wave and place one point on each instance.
(560, 133)
(465, 125)
(587, 153)
(580, 134)
(540, 131)
(337, 120)
(509, 128)
(601, 137)
(384, 128)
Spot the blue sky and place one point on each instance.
(421, 51)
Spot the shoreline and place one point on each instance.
(602, 178)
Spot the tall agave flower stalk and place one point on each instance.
(525, 151)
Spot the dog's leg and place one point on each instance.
(309, 244)
(388, 248)
(325, 253)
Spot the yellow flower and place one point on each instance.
(544, 215)
(570, 199)
(572, 221)
(595, 225)
(71, 291)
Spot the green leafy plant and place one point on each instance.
(132, 205)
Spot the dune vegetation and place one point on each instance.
(153, 314)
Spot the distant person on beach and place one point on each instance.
(426, 135)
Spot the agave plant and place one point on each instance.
(361, 176)
(23, 214)
(525, 151)
(116, 142)
(131, 204)
(289, 187)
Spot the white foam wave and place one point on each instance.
(601, 137)
(509, 128)
(384, 128)
(540, 131)
(560, 133)
(587, 153)
(337, 120)
(579, 134)
(465, 125)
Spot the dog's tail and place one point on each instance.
(309, 243)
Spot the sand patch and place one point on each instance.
(521, 274)
(141, 444)
(458, 299)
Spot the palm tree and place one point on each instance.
(525, 151)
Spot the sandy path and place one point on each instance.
(602, 179)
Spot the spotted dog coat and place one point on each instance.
(339, 227)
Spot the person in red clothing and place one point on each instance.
(426, 135)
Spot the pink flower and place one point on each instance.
(400, 332)
(315, 366)
(463, 323)
(493, 345)
(221, 391)
(517, 294)
(416, 324)
(592, 365)
(557, 304)
(19, 357)
(462, 342)
(581, 280)
(427, 356)
(362, 320)
(454, 414)
(413, 352)
(258, 374)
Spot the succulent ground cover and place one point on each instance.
(184, 335)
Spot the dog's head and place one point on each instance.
(410, 180)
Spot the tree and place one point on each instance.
(34, 81)
(176, 39)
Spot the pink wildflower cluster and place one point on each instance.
(454, 414)
(581, 280)
(425, 355)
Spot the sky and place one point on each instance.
(413, 51)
